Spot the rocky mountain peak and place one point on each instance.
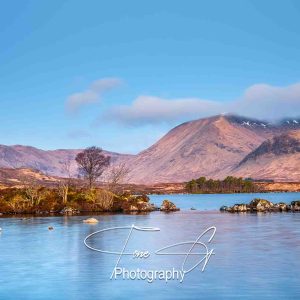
(287, 143)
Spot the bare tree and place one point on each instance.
(104, 199)
(33, 194)
(32, 190)
(116, 176)
(30, 196)
(92, 162)
(65, 183)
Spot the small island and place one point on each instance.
(72, 196)
(49, 201)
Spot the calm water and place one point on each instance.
(215, 201)
(256, 256)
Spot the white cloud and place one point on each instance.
(148, 109)
(269, 102)
(258, 101)
(92, 95)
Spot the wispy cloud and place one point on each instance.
(258, 101)
(269, 102)
(92, 94)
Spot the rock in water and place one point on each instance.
(224, 208)
(137, 204)
(168, 206)
(261, 205)
(281, 206)
(295, 205)
(239, 207)
(69, 211)
(90, 221)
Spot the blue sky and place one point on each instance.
(120, 74)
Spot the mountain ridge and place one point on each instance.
(211, 147)
(277, 158)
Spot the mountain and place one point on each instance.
(277, 158)
(202, 147)
(213, 147)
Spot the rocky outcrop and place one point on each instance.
(168, 206)
(295, 205)
(240, 208)
(281, 206)
(131, 203)
(262, 205)
(275, 159)
(235, 208)
(287, 143)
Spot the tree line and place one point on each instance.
(229, 185)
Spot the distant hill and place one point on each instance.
(48, 161)
(21, 176)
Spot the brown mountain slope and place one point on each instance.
(21, 176)
(277, 158)
(199, 148)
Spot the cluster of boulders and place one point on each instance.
(140, 204)
(130, 204)
(262, 205)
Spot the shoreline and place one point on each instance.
(180, 188)
(28, 217)
(134, 205)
